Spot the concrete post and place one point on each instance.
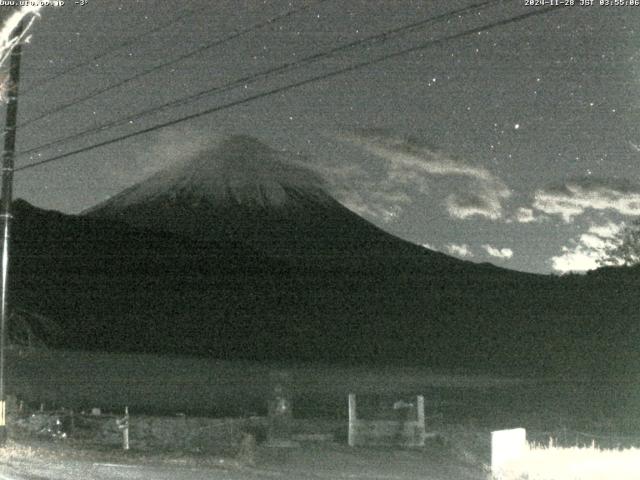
(420, 410)
(353, 418)
(123, 424)
(280, 411)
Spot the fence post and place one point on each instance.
(125, 429)
(420, 410)
(422, 428)
(353, 418)
(280, 411)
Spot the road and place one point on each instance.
(80, 470)
(104, 471)
(330, 461)
(84, 470)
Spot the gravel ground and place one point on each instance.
(68, 459)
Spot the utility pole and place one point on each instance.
(5, 210)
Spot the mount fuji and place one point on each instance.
(240, 252)
(245, 191)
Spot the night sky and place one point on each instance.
(518, 145)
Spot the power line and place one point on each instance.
(254, 77)
(298, 84)
(277, 90)
(93, 59)
(151, 70)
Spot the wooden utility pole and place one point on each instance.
(5, 210)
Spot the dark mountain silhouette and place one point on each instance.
(241, 253)
(248, 192)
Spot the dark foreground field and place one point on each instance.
(154, 384)
(170, 384)
(461, 408)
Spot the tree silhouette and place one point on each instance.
(624, 248)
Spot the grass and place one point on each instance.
(573, 463)
(463, 408)
(15, 450)
(46, 452)
(198, 386)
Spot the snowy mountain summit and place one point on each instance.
(240, 171)
(248, 193)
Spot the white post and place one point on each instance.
(125, 430)
(421, 423)
(420, 410)
(353, 418)
(507, 446)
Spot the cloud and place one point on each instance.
(407, 155)
(504, 253)
(464, 205)
(409, 162)
(526, 215)
(362, 191)
(459, 250)
(579, 195)
(586, 252)
(607, 231)
(381, 209)
(578, 259)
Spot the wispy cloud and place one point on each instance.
(459, 250)
(585, 252)
(467, 204)
(503, 253)
(375, 206)
(408, 155)
(364, 195)
(410, 162)
(526, 215)
(574, 197)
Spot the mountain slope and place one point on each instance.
(240, 253)
(114, 287)
(248, 192)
